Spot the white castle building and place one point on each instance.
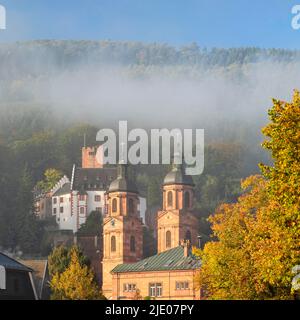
(73, 201)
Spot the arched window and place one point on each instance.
(132, 244)
(170, 199)
(168, 239)
(187, 199)
(131, 206)
(114, 205)
(188, 235)
(113, 244)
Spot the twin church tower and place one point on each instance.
(123, 228)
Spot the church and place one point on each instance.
(168, 275)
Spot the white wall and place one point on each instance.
(65, 220)
(72, 219)
(92, 205)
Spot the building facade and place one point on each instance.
(170, 274)
(16, 281)
(122, 228)
(166, 276)
(177, 220)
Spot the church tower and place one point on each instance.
(122, 227)
(176, 221)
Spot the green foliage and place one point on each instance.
(52, 176)
(93, 225)
(258, 236)
(24, 161)
(149, 243)
(60, 259)
(76, 282)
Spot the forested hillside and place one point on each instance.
(54, 92)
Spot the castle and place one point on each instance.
(117, 257)
(167, 275)
(71, 201)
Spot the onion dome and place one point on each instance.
(177, 174)
(123, 183)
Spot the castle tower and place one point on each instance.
(92, 157)
(176, 221)
(122, 227)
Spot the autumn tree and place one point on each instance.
(258, 237)
(60, 259)
(284, 193)
(77, 282)
(51, 177)
(227, 271)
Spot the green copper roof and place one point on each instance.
(173, 259)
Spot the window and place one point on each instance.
(132, 244)
(182, 285)
(55, 200)
(81, 210)
(113, 244)
(187, 199)
(155, 289)
(61, 209)
(188, 235)
(114, 205)
(170, 198)
(54, 211)
(61, 200)
(97, 198)
(131, 206)
(81, 197)
(168, 239)
(129, 287)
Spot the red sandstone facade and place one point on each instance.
(122, 233)
(92, 157)
(123, 275)
(176, 221)
(174, 285)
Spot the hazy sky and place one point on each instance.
(220, 23)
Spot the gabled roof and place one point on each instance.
(12, 264)
(65, 189)
(40, 274)
(173, 259)
(93, 179)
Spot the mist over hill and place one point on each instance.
(225, 91)
(52, 93)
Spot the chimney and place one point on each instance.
(186, 244)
